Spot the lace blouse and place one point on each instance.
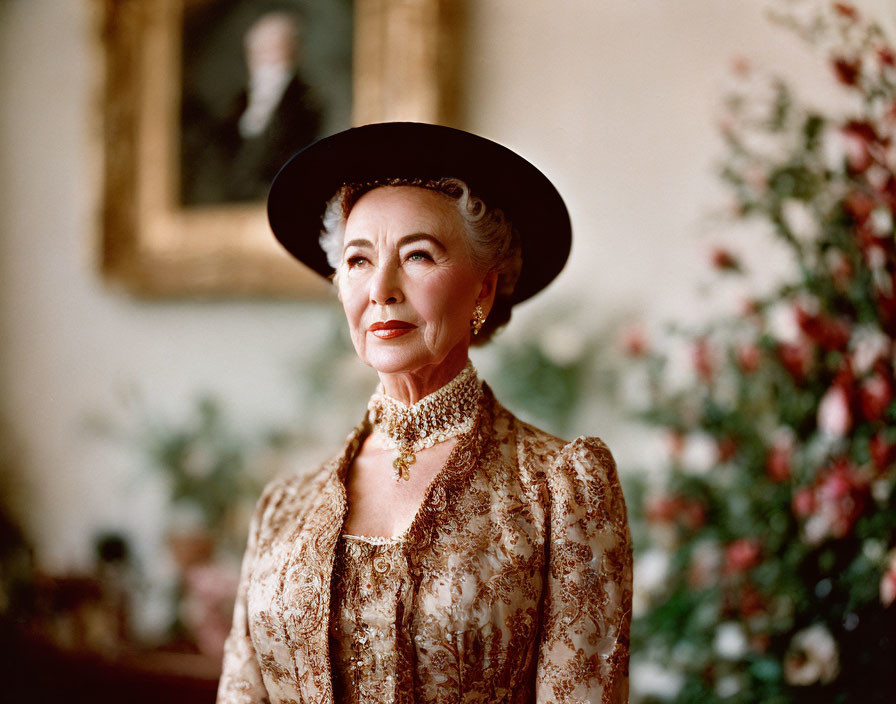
(512, 584)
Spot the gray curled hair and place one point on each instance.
(492, 241)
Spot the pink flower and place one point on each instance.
(740, 65)
(704, 363)
(886, 306)
(706, 561)
(676, 510)
(723, 260)
(748, 358)
(750, 602)
(777, 464)
(846, 11)
(858, 156)
(829, 333)
(882, 452)
(741, 555)
(888, 581)
(675, 443)
(859, 206)
(840, 268)
(796, 358)
(847, 70)
(661, 509)
(865, 131)
(750, 308)
(803, 502)
(875, 396)
(862, 142)
(726, 448)
(834, 414)
(838, 499)
(633, 341)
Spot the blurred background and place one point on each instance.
(725, 324)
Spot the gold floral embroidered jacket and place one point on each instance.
(519, 579)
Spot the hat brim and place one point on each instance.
(499, 176)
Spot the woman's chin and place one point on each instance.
(402, 359)
(397, 361)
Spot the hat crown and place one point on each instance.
(494, 173)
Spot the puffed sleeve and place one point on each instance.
(584, 648)
(241, 681)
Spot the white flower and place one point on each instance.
(730, 641)
(701, 453)
(873, 549)
(728, 686)
(812, 657)
(706, 561)
(880, 490)
(651, 570)
(782, 324)
(834, 417)
(868, 343)
(799, 219)
(817, 527)
(833, 148)
(650, 679)
(881, 222)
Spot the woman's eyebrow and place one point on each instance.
(357, 243)
(420, 236)
(403, 242)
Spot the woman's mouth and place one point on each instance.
(390, 329)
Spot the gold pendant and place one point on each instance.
(402, 465)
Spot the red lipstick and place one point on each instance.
(390, 329)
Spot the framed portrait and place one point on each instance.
(204, 100)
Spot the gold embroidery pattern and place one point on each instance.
(513, 583)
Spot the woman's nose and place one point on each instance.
(385, 288)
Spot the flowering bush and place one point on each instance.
(766, 562)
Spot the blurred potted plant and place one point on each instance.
(764, 561)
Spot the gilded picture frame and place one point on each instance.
(152, 244)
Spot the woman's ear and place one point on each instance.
(486, 296)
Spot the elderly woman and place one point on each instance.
(449, 552)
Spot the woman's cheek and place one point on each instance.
(431, 338)
(444, 329)
(354, 314)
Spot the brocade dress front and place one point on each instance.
(512, 584)
(371, 595)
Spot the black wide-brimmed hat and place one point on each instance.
(502, 178)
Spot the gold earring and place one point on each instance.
(478, 319)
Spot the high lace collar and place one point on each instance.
(443, 414)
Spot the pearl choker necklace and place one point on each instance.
(443, 414)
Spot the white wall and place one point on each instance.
(615, 100)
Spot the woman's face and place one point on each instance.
(406, 280)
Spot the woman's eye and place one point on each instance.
(355, 261)
(419, 256)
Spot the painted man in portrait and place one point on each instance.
(234, 157)
(276, 115)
